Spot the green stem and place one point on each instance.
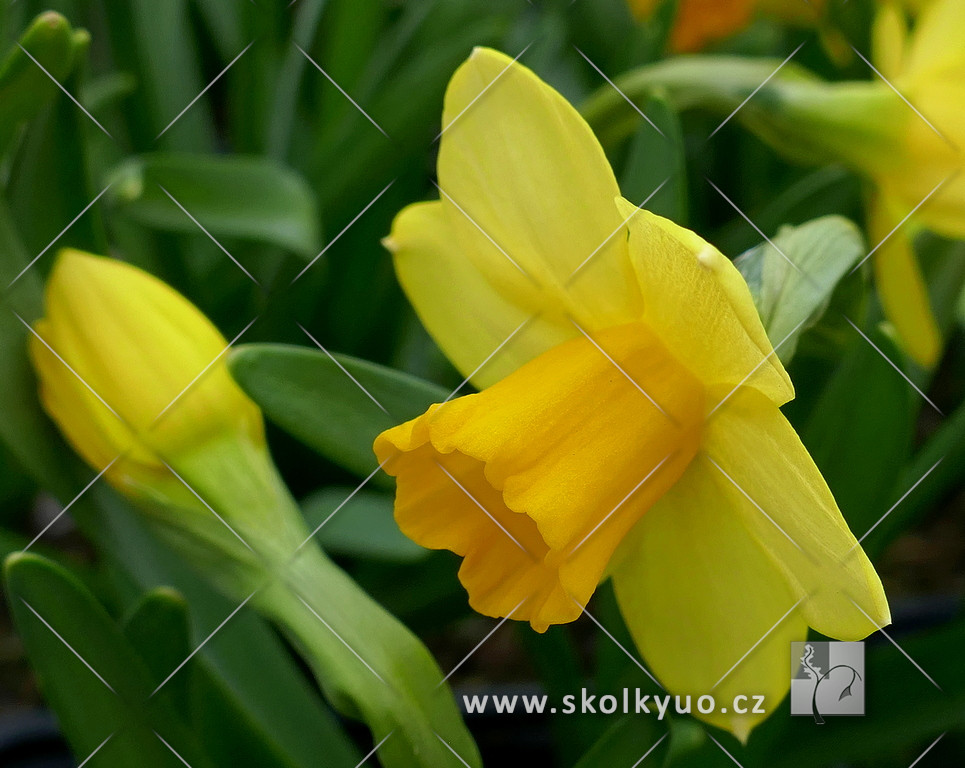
(803, 117)
(370, 666)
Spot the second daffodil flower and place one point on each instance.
(629, 419)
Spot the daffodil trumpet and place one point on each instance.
(135, 377)
(628, 421)
(902, 129)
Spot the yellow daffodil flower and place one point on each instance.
(700, 23)
(917, 168)
(629, 419)
(131, 371)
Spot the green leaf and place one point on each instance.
(935, 472)
(359, 526)
(50, 184)
(856, 449)
(24, 88)
(624, 743)
(905, 712)
(245, 197)
(656, 161)
(168, 74)
(92, 677)
(307, 394)
(249, 698)
(159, 629)
(792, 277)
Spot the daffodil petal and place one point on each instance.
(698, 303)
(469, 316)
(901, 288)
(935, 49)
(528, 193)
(123, 331)
(766, 475)
(537, 479)
(706, 606)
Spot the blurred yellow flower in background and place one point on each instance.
(131, 370)
(629, 423)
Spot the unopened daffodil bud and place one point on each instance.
(134, 375)
(628, 423)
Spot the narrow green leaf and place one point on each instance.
(792, 277)
(92, 677)
(244, 197)
(856, 449)
(168, 74)
(50, 182)
(24, 88)
(655, 169)
(307, 394)
(360, 526)
(159, 630)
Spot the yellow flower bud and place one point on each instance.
(134, 374)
